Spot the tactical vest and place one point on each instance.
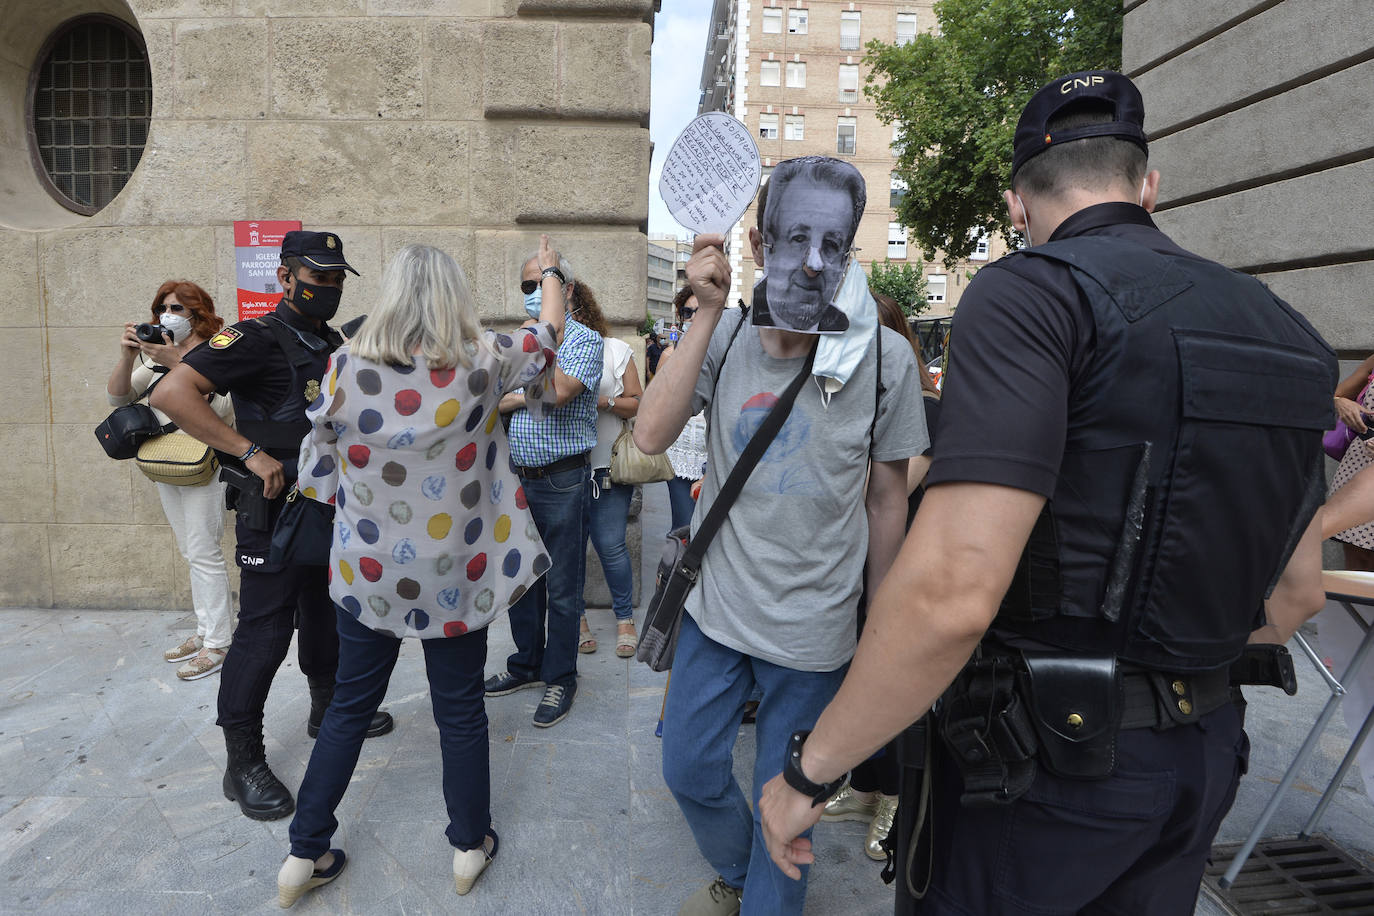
(279, 428)
(1192, 462)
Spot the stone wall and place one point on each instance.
(472, 125)
(1259, 120)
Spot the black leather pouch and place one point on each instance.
(1075, 703)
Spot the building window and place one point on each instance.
(849, 82)
(906, 28)
(898, 190)
(92, 99)
(772, 22)
(980, 247)
(844, 136)
(935, 288)
(794, 127)
(796, 22)
(796, 74)
(896, 145)
(849, 30)
(769, 71)
(896, 241)
(768, 126)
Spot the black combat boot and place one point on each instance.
(248, 781)
(321, 693)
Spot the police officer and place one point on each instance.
(1125, 490)
(271, 367)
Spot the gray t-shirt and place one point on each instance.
(781, 581)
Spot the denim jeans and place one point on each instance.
(454, 666)
(607, 516)
(700, 723)
(558, 505)
(680, 500)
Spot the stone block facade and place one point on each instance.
(1259, 123)
(472, 125)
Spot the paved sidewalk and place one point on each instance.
(110, 798)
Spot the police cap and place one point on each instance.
(321, 250)
(1107, 87)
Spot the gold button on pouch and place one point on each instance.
(1185, 707)
(1179, 687)
(1075, 720)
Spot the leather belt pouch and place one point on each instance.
(1075, 702)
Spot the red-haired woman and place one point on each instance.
(196, 513)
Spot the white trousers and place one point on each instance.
(196, 515)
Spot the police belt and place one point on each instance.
(1160, 699)
(553, 467)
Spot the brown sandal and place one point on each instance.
(626, 640)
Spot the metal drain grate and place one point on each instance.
(1310, 875)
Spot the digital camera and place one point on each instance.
(151, 333)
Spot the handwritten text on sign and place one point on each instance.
(711, 173)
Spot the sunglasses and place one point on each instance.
(178, 309)
(687, 312)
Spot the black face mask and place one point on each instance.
(318, 302)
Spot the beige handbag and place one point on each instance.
(631, 466)
(178, 459)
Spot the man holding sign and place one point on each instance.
(773, 610)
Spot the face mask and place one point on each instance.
(1142, 190)
(176, 325)
(1025, 218)
(534, 303)
(318, 302)
(838, 355)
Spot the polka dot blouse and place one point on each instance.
(432, 534)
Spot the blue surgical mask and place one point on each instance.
(534, 302)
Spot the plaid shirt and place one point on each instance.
(570, 429)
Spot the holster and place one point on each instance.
(1265, 665)
(988, 732)
(244, 495)
(1076, 704)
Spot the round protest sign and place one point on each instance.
(711, 173)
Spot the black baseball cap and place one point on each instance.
(321, 250)
(1105, 86)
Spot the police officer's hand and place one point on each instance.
(786, 815)
(163, 354)
(708, 272)
(269, 469)
(1351, 414)
(548, 257)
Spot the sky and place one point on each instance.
(679, 45)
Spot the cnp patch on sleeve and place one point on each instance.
(225, 338)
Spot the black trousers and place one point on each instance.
(1134, 843)
(272, 602)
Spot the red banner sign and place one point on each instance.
(257, 252)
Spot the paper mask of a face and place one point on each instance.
(810, 216)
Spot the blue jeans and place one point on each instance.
(680, 500)
(608, 513)
(454, 666)
(558, 505)
(700, 723)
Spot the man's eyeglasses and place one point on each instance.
(177, 308)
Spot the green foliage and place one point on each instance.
(959, 93)
(902, 281)
(647, 327)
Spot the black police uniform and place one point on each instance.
(269, 384)
(1171, 412)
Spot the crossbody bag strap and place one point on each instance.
(758, 444)
(169, 426)
(744, 316)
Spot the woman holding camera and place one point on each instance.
(432, 536)
(183, 316)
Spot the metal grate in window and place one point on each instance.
(92, 100)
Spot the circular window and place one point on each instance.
(90, 99)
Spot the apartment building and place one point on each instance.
(793, 71)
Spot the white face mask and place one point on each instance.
(176, 325)
(1025, 218)
(1142, 190)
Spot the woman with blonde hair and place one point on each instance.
(432, 538)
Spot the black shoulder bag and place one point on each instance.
(681, 562)
(128, 427)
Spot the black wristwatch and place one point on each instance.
(552, 272)
(792, 772)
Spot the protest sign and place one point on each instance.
(711, 173)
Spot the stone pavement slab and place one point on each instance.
(110, 798)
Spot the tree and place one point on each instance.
(901, 281)
(958, 93)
